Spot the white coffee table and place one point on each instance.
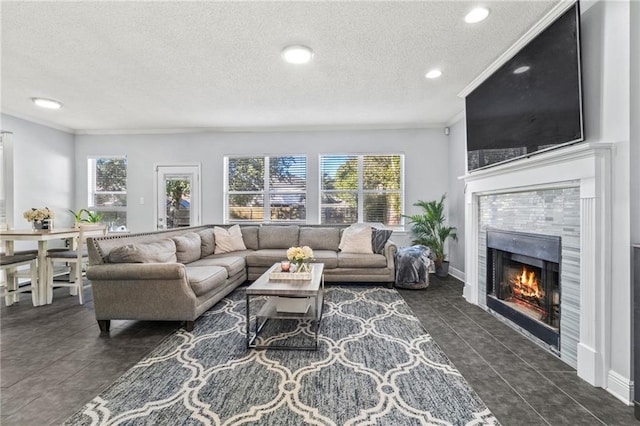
(264, 286)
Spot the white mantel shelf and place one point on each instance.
(587, 166)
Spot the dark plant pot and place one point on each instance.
(442, 270)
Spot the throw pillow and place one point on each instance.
(379, 238)
(356, 239)
(163, 251)
(187, 247)
(207, 242)
(228, 240)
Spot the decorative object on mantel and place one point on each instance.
(300, 256)
(40, 218)
(84, 216)
(430, 229)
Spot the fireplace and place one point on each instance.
(523, 281)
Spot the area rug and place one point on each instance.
(375, 364)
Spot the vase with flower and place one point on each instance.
(300, 257)
(40, 218)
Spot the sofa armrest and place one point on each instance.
(390, 249)
(136, 271)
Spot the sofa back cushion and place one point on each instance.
(188, 247)
(276, 236)
(228, 240)
(207, 242)
(161, 251)
(320, 238)
(250, 237)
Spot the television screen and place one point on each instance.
(531, 103)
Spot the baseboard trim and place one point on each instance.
(620, 387)
(456, 273)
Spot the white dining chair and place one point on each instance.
(8, 265)
(75, 258)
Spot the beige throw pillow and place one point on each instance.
(356, 239)
(228, 240)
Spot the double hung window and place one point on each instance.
(266, 188)
(107, 192)
(361, 188)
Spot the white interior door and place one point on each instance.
(178, 196)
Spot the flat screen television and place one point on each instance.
(533, 102)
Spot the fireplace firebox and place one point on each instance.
(523, 281)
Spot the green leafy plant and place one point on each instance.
(430, 229)
(87, 216)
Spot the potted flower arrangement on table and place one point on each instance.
(300, 256)
(40, 218)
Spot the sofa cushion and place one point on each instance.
(233, 264)
(228, 240)
(278, 237)
(358, 260)
(250, 237)
(207, 242)
(320, 238)
(379, 238)
(356, 239)
(328, 257)
(187, 247)
(203, 279)
(161, 251)
(266, 257)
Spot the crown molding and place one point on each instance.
(38, 121)
(551, 16)
(274, 129)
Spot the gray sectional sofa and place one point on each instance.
(176, 275)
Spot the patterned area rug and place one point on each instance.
(375, 365)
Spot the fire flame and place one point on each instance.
(526, 284)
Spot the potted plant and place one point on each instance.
(84, 217)
(430, 229)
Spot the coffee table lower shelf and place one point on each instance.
(269, 311)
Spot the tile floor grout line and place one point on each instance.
(494, 370)
(531, 366)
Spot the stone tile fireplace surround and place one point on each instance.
(565, 193)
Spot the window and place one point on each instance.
(273, 187)
(361, 188)
(108, 189)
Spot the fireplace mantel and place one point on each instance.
(587, 166)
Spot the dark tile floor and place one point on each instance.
(519, 381)
(53, 360)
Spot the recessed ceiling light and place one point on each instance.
(522, 69)
(476, 15)
(297, 54)
(433, 74)
(47, 103)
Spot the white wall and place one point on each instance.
(44, 170)
(455, 196)
(425, 152)
(634, 135)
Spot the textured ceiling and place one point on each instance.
(135, 66)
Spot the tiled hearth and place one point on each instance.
(561, 193)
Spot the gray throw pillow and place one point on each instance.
(163, 251)
(187, 247)
(207, 242)
(379, 238)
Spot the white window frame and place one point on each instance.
(360, 192)
(91, 182)
(266, 189)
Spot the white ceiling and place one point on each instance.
(142, 66)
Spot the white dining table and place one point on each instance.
(42, 236)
